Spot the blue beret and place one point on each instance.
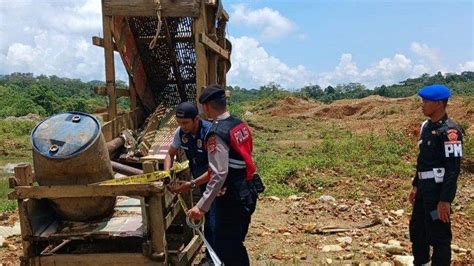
(435, 92)
(186, 110)
(211, 92)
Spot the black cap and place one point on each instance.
(211, 92)
(186, 110)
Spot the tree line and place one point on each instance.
(23, 93)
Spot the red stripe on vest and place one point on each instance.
(241, 141)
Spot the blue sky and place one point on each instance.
(293, 43)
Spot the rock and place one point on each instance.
(287, 234)
(343, 207)
(348, 256)
(380, 245)
(398, 213)
(363, 244)
(326, 198)
(295, 198)
(455, 248)
(248, 113)
(344, 240)
(387, 222)
(331, 248)
(385, 263)
(274, 198)
(394, 242)
(370, 255)
(328, 261)
(12, 247)
(394, 250)
(310, 228)
(403, 260)
(367, 202)
(2, 241)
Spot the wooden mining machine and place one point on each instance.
(76, 205)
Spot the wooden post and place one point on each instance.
(157, 230)
(24, 177)
(222, 64)
(24, 174)
(211, 30)
(200, 26)
(110, 68)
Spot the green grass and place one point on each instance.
(338, 153)
(14, 148)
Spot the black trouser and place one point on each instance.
(232, 220)
(426, 232)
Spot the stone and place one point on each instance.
(398, 213)
(403, 260)
(348, 256)
(387, 222)
(367, 202)
(295, 198)
(310, 228)
(328, 261)
(455, 248)
(326, 198)
(344, 240)
(274, 198)
(331, 248)
(343, 207)
(394, 250)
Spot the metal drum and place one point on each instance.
(69, 149)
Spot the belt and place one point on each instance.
(426, 175)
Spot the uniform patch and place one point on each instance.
(453, 134)
(453, 149)
(184, 139)
(241, 135)
(212, 144)
(199, 143)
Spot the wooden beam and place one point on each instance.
(100, 90)
(172, 214)
(157, 230)
(24, 174)
(54, 192)
(200, 26)
(98, 41)
(147, 40)
(109, 66)
(213, 46)
(95, 259)
(177, 72)
(147, 8)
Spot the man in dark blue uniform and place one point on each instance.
(232, 184)
(190, 137)
(435, 181)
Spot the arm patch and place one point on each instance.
(212, 144)
(453, 144)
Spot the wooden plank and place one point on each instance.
(177, 72)
(24, 174)
(54, 192)
(157, 230)
(133, 102)
(133, 64)
(212, 57)
(25, 226)
(213, 46)
(170, 8)
(98, 41)
(96, 259)
(172, 214)
(186, 256)
(119, 92)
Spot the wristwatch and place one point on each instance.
(193, 184)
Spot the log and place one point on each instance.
(147, 8)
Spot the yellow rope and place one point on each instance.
(158, 26)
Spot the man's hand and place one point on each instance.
(195, 213)
(411, 197)
(444, 210)
(180, 186)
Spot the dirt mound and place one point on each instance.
(291, 105)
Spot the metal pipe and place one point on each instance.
(115, 144)
(125, 169)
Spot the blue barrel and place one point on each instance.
(69, 149)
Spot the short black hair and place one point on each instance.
(445, 102)
(219, 104)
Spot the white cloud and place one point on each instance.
(269, 22)
(385, 71)
(253, 66)
(52, 38)
(428, 55)
(468, 66)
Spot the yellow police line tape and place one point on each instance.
(149, 177)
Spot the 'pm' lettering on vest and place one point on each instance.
(453, 148)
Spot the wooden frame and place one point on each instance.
(160, 212)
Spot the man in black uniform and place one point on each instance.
(434, 185)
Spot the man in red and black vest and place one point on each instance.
(229, 145)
